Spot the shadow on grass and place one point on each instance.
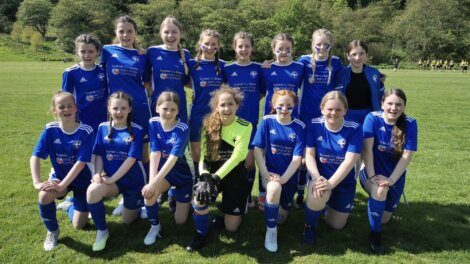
(417, 228)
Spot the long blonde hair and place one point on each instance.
(329, 35)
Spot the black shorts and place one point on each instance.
(234, 189)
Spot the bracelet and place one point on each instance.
(371, 177)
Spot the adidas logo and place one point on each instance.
(236, 210)
(382, 129)
(57, 141)
(234, 74)
(375, 214)
(272, 131)
(348, 206)
(199, 68)
(159, 58)
(271, 219)
(273, 73)
(320, 138)
(186, 196)
(83, 79)
(115, 55)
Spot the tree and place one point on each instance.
(35, 13)
(8, 11)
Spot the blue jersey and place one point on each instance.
(91, 92)
(282, 77)
(171, 142)
(115, 152)
(281, 142)
(331, 146)
(204, 81)
(126, 71)
(376, 127)
(65, 149)
(249, 79)
(324, 82)
(168, 75)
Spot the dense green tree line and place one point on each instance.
(408, 29)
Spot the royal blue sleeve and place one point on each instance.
(181, 143)
(41, 149)
(67, 82)
(338, 76)
(146, 69)
(98, 145)
(260, 137)
(187, 57)
(368, 126)
(411, 140)
(299, 143)
(262, 83)
(103, 58)
(310, 141)
(355, 141)
(84, 154)
(154, 143)
(135, 150)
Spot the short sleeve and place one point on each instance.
(310, 138)
(84, 154)
(67, 82)
(259, 140)
(154, 142)
(355, 141)
(181, 143)
(41, 149)
(411, 140)
(299, 143)
(98, 145)
(368, 126)
(135, 150)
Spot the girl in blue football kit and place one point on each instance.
(390, 140)
(118, 167)
(169, 65)
(333, 146)
(87, 82)
(245, 75)
(169, 165)
(279, 147)
(206, 77)
(322, 73)
(68, 143)
(282, 74)
(127, 70)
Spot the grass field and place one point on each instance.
(434, 228)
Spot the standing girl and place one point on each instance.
(279, 147)
(333, 146)
(225, 139)
(283, 74)
(206, 77)
(390, 140)
(169, 65)
(127, 70)
(323, 73)
(69, 144)
(119, 170)
(87, 82)
(246, 76)
(168, 163)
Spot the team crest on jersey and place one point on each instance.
(76, 144)
(59, 160)
(101, 76)
(382, 148)
(135, 58)
(115, 71)
(163, 76)
(235, 139)
(90, 98)
(127, 140)
(323, 160)
(294, 74)
(272, 131)
(375, 77)
(171, 141)
(83, 80)
(273, 150)
(234, 74)
(253, 74)
(341, 142)
(158, 136)
(109, 157)
(292, 137)
(203, 83)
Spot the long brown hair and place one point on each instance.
(398, 132)
(214, 34)
(279, 37)
(128, 98)
(213, 122)
(127, 19)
